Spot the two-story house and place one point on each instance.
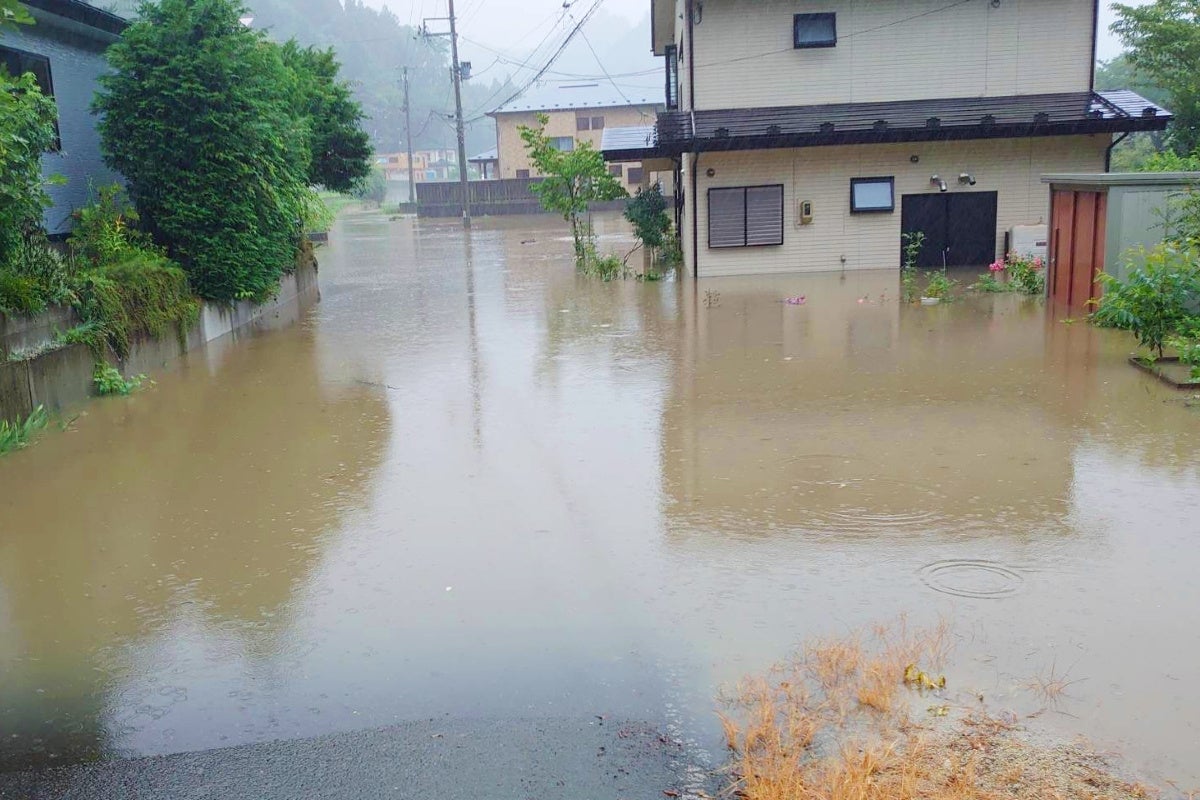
(576, 112)
(808, 135)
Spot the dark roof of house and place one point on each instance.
(83, 13)
(895, 121)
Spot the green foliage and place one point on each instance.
(200, 116)
(105, 230)
(670, 255)
(1026, 275)
(109, 381)
(374, 188)
(1163, 45)
(647, 213)
(26, 132)
(990, 285)
(1187, 345)
(605, 267)
(913, 242)
(940, 286)
(573, 180)
(340, 148)
(142, 294)
(12, 14)
(91, 334)
(16, 436)
(1160, 299)
(20, 294)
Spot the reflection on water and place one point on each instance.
(472, 482)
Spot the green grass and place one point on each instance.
(336, 203)
(16, 436)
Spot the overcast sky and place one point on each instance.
(515, 26)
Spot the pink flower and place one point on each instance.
(1038, 263)
(997, 266)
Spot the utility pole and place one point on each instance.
(412, 179)
(456, 69)
(459, 125)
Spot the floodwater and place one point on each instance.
(472, 483)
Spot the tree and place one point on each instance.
(214, 132)
(574, 179)
(26, 131)
(1163, 41)
(340, 148)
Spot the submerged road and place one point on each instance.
(480, 527)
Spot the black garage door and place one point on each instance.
(959, 227)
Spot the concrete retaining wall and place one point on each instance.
(61, 377)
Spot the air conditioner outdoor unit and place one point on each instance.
(1027, 240)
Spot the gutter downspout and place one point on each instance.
(1109, 150)
(1095, 33)
(691, 44)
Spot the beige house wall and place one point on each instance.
(837, 239)
(511, 150)
(887, 50)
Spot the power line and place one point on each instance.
(600, 64)
(571, 35)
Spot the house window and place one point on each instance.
(597, 123)
(671, 59)
(745, 216)
(564, 143)
(615, 170)
(18, 62)
(872, 195)
(634, 175)
(583, 123)
(522, 173)
(814, 30)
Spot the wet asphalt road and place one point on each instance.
(444, 759)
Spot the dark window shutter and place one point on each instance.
(764, 215)
(727, 217)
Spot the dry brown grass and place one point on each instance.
(839, 723)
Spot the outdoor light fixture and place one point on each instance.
(934, 180)
(966, 178)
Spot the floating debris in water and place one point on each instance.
(795, 301)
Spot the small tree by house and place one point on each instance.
(574, 179)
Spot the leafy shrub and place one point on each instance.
(1158, 301)
(913, 242)
(20, 294)
(35, 258)
(143, 294)
(605, 267)
(989, 284)
(109, 381)
(939, 286)
(106, 229)
(647, 213)
(374, 188)
(26, 132)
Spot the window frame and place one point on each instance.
(520, 176)
(599, 119)
(891, 182)
(634, 175)
(47, 90)
(555, 141)
(671, 62)
(616, 170)
(797, 19)
(583, 123)
(745, 215)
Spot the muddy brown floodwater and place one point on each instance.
(472, 483)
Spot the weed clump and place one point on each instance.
(844, 721)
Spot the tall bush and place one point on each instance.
(198, 116)
(26, 131)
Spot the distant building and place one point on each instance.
(486, 164)
(578, 112)
(65, 52)
(429, 165)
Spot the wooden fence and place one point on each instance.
(500, 197)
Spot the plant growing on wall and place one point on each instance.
(574, 179)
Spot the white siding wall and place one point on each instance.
(1010, 167)
(890, 50)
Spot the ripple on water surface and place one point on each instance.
(970, 577)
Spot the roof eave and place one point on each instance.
(85, 14)
(901, 135)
